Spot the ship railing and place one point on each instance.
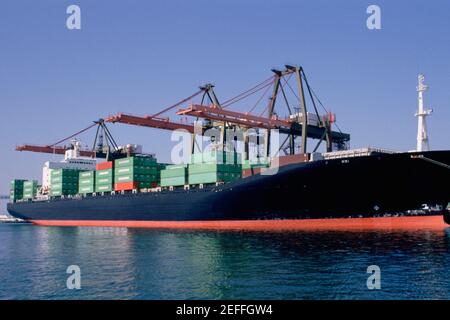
(361, 152)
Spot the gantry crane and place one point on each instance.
(218, 116)
(104, 144)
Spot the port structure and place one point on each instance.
(217, 115)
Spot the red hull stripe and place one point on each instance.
(418, 223)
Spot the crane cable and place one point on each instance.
(259, 100)
(178, 103)
(248, 92)
(73, 135)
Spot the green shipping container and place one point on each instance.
(222, 157)
(16, 189)
(86, 185)
(135, 161)
(15, 195)
(136, 170)
(104, 180)
(86, 182)
(179, 171)
(63, 192)
(174, 181)
(86, 189)
(104, 173)
(64, 173)
(213, 167)
(135, 177)
(212, 177)
(30, 184)
(162, 166)
(86, 174)
(30, 189)
(63, 179)
(104, 188)
(17, 184)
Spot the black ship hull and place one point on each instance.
(368, 186)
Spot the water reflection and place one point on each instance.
(152, 264)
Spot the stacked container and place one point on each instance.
(16, 190)
(30, 189)
(254, 166)
(104, 177)
(174, 175)
(216, 166)
(255, 163)
(161, 167)
(86, 182)
(135, 172)
(64, 182)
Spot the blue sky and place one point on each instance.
(141, 56)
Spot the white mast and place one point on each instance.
(422, 135)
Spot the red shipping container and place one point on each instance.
(124, 186)
(250, 172)
(104, 165)
(290, 159)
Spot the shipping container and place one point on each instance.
(174, 175)
(136, 170)
(30, 188)
(290, 159)
(174, 171)
(213, 167)
(17, 184)
(217, 156)
(86, 174)
(65, 172)
(63, 192)
(104, 180)
(104, 187)
(86, 189)
(16, 189)
(162, 166)
(135, 177)
(135, 161)
(64, 181)
(213, 177)
(251, 172)
(104, 165)
(14, 195)
(86, 182)
(105, 173)
(174, 181)
(124, 186)
(258, 163)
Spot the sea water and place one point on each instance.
(163, 264)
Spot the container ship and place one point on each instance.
(224, 186)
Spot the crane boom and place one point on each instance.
(52, 150)
(149, 121)
(244, 119)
